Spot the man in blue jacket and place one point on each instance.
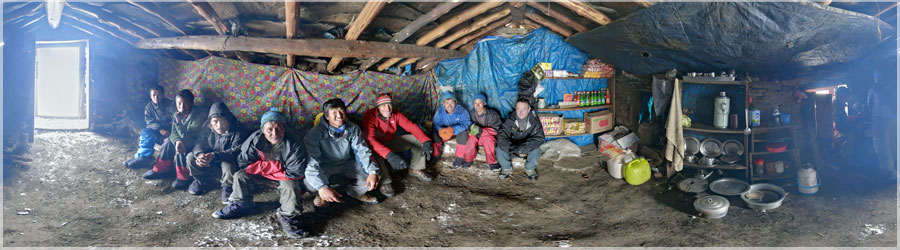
(337, 149)
(450, 121)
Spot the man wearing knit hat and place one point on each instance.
(269, 154)
(380, 129)
(483, 131)
(450, 121)
(337, 149)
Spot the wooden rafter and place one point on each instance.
(442, 29)
(530, 24)
(168, 20)
(886, 9)
(644, 3)
(585, 10)
(33, 20)
(556, 15)
(368, 13)
(207, 12)
(304, 47)
(414, 26)
(518, 12)
(538, 18)
(490, 28)
(98, 28)
(481, 23)
(291, 22)
(103, 18)
(24, 11)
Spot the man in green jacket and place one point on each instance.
(187, 128)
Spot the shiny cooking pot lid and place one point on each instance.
(693, 185)
(712, 204)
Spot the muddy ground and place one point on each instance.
(75, 192)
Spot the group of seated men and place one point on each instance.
(196, 143)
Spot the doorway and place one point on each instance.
(61, 85)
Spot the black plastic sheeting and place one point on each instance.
(773, 37)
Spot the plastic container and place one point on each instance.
(614, 165)
(807, 180)
(637, 171)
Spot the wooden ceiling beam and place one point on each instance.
(21, 12)
(414, 26)
(530, 24)
(442, 29)
(365, 17)
(547, 11)
(644, 3)
(291, 22)
(168, 20)
(113, 34)
(101, 17)
(490, 28)
(207, 12)
(303, 47)
(886, 9)
(481, 23)
(518, 12)
(585, 10)
(538, 18)
(32, 21)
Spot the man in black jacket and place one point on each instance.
(521, 134)
(269, 154)
(158, 116)
(220, 149)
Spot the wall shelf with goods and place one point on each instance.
(789, 158)
(699, 96)
(555, 89)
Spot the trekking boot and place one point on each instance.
(504, 174)
(367, 199)
(233, 210)
(197, 187)
(420, 174)
(153, 175)
(387, 190)
(131, 163)
(466, 164)
(494, 167)
(532, 174)
(180, 184)
(291, 226)
(458, 163)
(226, 192)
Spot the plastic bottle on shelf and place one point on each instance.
(576, 97)
(608, 97)
(602, 97)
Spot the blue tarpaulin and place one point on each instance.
(496, 64)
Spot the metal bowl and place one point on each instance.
(729, 159)
(763, 196)
(711, 147)
(707, 161)
(691, 145)
(690, 158)
(729, 186)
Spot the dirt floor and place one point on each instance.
(76, 192)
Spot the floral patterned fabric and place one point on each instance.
(250, 90)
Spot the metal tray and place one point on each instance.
(691, 145)
(729, 186)
(732, 147)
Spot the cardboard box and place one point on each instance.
(598, 121)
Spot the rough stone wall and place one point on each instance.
(628, 99)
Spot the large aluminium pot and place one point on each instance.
(712, 206)
(763, 196)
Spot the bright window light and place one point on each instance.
(823, 92)
(61, 85)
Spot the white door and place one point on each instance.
(61, 85)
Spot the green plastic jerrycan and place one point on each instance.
(637, 172)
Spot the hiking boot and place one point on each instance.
(504, 174)
(226, 192)
(458, 163)
(368, 199)
(466, 164)
(532, 174)
(319, 202)
(494, 167)
(197, 187)
(291, 226)
(132, 163)
(387, 190)
(420, 174)
(180, 184)
(233, 210)
(153, 175)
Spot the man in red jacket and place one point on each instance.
(380, 129)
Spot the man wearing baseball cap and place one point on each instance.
(380, 127)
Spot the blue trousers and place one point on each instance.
(531, 161)
(149, 137)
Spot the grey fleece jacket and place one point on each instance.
(329, 153)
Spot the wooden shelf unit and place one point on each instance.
(610, 84)
(573, 108)
(790, 157)
(723, 167)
